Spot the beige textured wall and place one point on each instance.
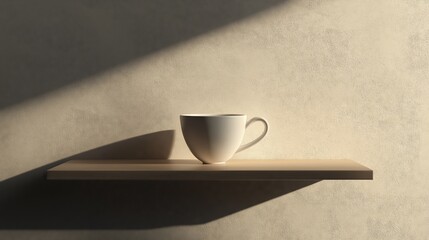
(335, 79)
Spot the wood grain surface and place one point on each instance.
(263, 169)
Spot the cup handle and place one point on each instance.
(248, 145)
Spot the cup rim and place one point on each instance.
(213, 115)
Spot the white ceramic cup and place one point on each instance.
(215, 138)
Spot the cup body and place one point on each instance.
(213, 138)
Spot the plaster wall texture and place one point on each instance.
(335, 79)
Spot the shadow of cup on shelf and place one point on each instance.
(29, 201)
(157, 145)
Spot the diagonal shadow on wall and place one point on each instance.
(29, 201)
(53, 43)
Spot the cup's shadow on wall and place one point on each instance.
(53, 43)
(29, 201)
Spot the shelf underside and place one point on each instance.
(239, 170)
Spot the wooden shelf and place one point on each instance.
(339, 169)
